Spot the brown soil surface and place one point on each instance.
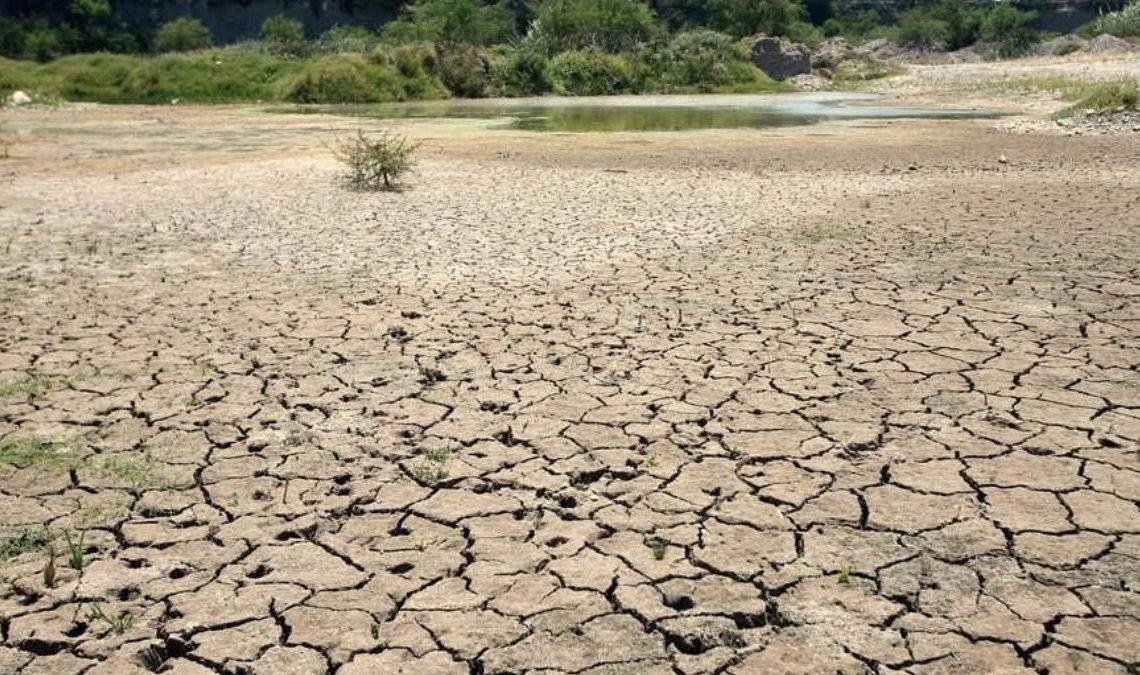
(842, 399)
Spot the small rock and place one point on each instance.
(19, 99)
(1003, 160)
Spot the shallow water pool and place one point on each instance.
(648, 113)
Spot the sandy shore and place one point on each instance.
(854, 397)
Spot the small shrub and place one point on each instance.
(375, 164)
(184, 34)
(590, 72)
(520, 71)
(282, 35)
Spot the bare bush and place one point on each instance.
(375, 163)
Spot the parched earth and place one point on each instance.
(847, 399)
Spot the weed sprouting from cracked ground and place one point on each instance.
(657, 547)
(432, 467)
(116, 623)
(36, 452)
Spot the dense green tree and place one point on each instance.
(182, 35)
(921, 27)
(452, 21)
(608, 25)
(1009, 29)
(283, 35)
(750, 17)
(962, 22)
(462, 21)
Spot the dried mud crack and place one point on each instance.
(762, 403)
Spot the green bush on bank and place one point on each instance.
(463, 70)
(702, 61)
(344, 79)
(693, 61)
(591, 72)
(519, 71)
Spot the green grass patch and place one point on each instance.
(852, 72)
(138, 473)
(27, 540)
(1084, 96)
(231, 75)
(28, 385)
(1102, 98)
(25, 452)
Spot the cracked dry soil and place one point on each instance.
(719, 402)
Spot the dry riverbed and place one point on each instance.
(846, 398)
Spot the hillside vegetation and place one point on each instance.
(473, 48)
